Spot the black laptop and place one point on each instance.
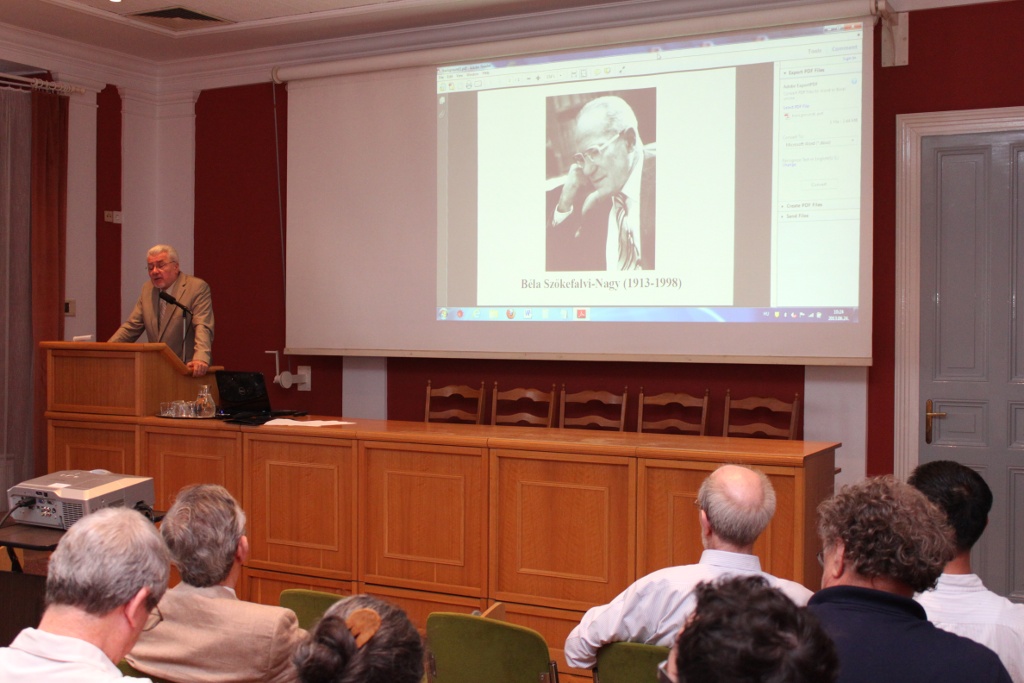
(244, 399)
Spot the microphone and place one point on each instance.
(174, 302)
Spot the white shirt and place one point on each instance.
(40, 656)
(654, 608)
(960, 603)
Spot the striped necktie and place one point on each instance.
(629, 255)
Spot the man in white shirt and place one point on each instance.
(736, 504)
(104, 581)
(960, 602)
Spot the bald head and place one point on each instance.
(738, 503)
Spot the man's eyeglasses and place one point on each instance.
(592, 154)
(154, 618)
(663, 676)
(157, 266)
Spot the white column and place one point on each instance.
(157, 183)
(836, 409)
(80, 273)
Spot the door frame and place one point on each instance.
(910, 128)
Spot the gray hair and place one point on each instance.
(618, 114)
(731, 520)
(394, 654)
(202, 530)
(103, 561)
(172, 253)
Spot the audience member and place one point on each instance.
(883, 541)
(960, 602)
(102, 588)
(362, 640)
(744, 631)
(208, 634)
(735, 505)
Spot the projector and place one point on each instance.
(60, 499)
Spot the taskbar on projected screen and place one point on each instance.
(680, 314)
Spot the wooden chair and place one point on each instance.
(590, 410)
(531, 407)
(625, 662)
(671, 411)
(761, 417)
(469, 648)
(456, 403)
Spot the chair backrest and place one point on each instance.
(457, 403)
(465, 648)
(591, 409)
(308, 605)
(131, 672)
(673, 412)
(523, 407)
(761, 417)
(629, 663)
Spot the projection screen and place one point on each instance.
(705, 198)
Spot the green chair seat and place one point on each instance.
(629, 663)
(465, 648)
(308, 605)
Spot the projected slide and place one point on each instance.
(695, 181)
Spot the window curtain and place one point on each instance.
(49, 229)
(16, 423)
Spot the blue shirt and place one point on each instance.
(882, 637)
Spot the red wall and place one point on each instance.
(239, 243)
(108, 198)
(960, 58)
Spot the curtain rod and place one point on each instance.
(40, 84)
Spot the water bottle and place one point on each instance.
(205, 406)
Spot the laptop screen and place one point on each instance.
(242, 392)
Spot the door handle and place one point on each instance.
(928, 415)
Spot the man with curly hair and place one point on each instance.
(883, 541)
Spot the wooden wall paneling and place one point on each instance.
(423, 517)
(264, 587)
(210, 452)
(299, 493)
(554, 625)
(419, 604)
(563, 527)
(96, 444)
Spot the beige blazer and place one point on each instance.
(191, 292)
(210, 636)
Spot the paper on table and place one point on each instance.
(287, 422)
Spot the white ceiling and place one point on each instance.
(248, 25)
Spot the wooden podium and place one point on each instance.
(97, 394)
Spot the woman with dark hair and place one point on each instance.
(362, 640)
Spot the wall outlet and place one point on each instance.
(69, 308)
(117, 217)
(108, 216)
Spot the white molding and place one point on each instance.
(910, 128)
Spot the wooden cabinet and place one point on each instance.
(74, 444)
(175, 457)
(423, 517)
(300, 498)
(563, 527)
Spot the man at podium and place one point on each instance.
(174, 308)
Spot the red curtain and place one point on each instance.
(49, 228)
